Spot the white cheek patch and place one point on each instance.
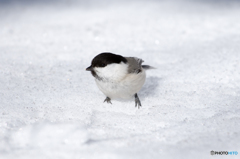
(112, 72)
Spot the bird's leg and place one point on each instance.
(137, 101)
(108, 100)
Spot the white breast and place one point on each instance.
(117, 83)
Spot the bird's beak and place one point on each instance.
(89, 68)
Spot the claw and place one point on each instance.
(137, 101)
(108, 100)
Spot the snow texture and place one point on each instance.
(50, 107)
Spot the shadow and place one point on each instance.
(96, 141)
(150, 87)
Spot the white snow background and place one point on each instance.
(50, 107)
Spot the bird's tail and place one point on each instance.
(147, 67)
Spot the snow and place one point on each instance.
(50, 107)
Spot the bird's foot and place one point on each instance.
(108, 100)
(137, 101)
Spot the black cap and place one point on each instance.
(105, 58)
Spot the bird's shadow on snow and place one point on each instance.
(150, 87)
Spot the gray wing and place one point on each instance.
(135, 65)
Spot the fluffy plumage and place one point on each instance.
(117, 83)
(118, 77)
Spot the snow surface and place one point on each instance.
(50, 107)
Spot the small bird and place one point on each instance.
(118, 77)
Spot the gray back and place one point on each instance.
(135, 64)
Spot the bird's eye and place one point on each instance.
(102, 65)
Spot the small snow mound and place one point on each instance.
(48, 135)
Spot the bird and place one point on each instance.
(118, 77)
